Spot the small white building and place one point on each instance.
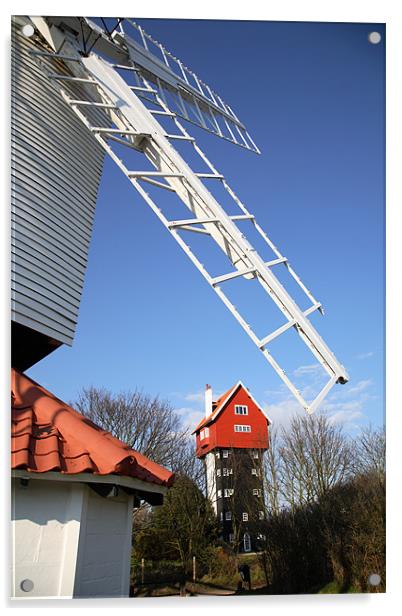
(73, 491)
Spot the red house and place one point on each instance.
(232, 439)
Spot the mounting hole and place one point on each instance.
(28, 30)
(374, 579)
(27, 585)
(374, 38)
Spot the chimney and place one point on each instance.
(208, 400)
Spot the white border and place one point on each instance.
(287, 10)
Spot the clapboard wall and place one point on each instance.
(56, 168)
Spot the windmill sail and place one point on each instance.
(121, 115)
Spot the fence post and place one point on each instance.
(194, 569)
(142, 570)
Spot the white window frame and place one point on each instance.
(206, 430)
(227, 471)
(228, 515)
(202, 434)
(227, 492)
(242, 428)
(219, 493)
(254, 471)
(241, 409)
(245, 516)
(255, 455)
(225, 453)
(256, 492)
(218, 472)
(218, 455)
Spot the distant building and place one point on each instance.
(232, 439)
(74, 487)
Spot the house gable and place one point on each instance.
(225, 428)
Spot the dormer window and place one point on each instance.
(241, 409)
(204, 433)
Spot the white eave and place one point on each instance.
(119, 480)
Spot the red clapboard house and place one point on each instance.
(231, 440)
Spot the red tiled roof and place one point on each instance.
(215, 407)
(48, 435)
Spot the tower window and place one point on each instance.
(245, 516)
(228, 515)
(241, 409)
(247, 542)
(242, 428)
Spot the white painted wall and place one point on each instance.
(70, 542)
(211, 479)
(103, 568)
(45, 525)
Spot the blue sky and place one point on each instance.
(312, 97)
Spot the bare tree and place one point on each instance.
(370, 451)
(147, 424)
(316, 456)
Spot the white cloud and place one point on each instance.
(348, 390)
(194, 397)
(283, 412)
(189, 417)
(310, 369)
(365, 355)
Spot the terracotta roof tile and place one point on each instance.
(48, 435)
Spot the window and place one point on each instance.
(242, 428)
(245, 517)
(227, 471)
(247, 542)
(256, 492)
(260, 515)
(255, 455)
(228, 515)
(241, 409)
(218, 455)
(204, 433)
(231, 538)
(225, 453)
(254, 471)
(227, 492)
(219, 493)
(221, 516)
(218, 472)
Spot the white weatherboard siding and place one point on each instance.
(103, 567)
(55, 172)
(45, 525)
